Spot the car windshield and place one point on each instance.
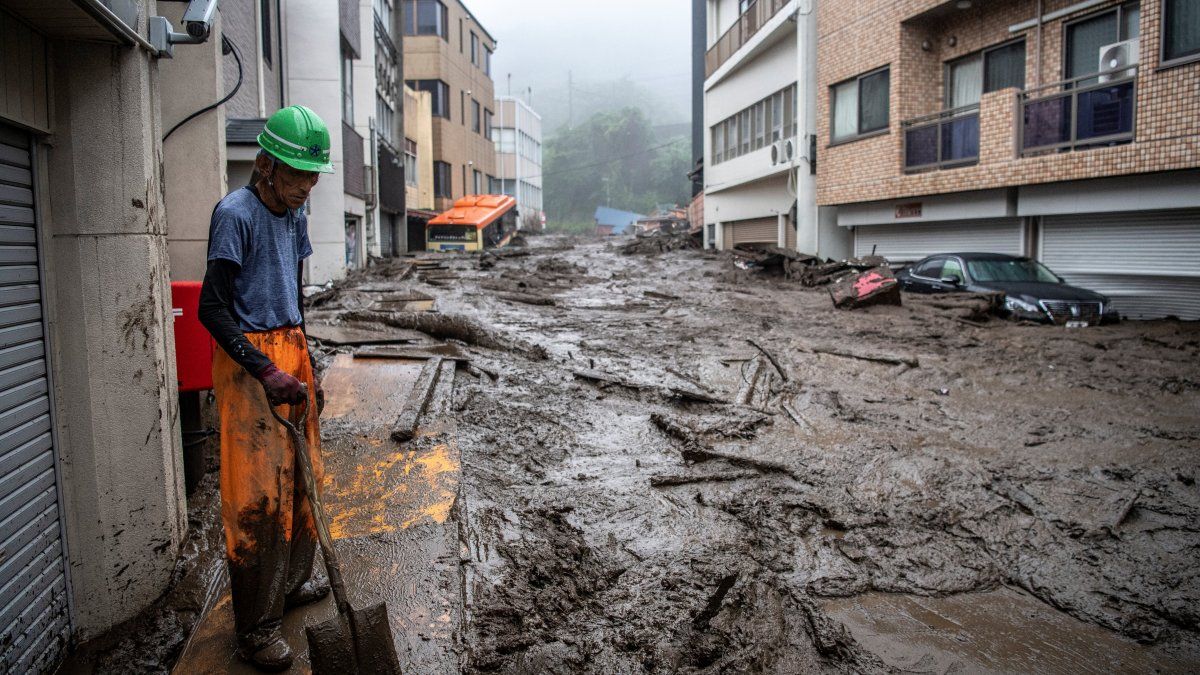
(1010, 270)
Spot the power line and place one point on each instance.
(614, 159)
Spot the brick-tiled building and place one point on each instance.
(1073, 137)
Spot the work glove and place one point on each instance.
(281, 387)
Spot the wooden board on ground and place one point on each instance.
(348, 336)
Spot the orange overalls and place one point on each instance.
(270, 537)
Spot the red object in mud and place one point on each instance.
(193, 345)
(876, 286)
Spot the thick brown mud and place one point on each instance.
(611, 524)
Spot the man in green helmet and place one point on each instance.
(251, 303)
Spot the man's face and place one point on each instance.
(293, 185)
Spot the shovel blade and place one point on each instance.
(360, 644)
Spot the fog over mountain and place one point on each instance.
(618, 53)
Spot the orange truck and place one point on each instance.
(476, 222)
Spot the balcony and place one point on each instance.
(748, 24)
(1086, 112)
(943, 140)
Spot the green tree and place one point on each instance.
(612, 159)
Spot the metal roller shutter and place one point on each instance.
(34, 616)
(1148, 263)
(757, 231)
(912, 241)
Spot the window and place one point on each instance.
(487, 61)
(952, 268)
(383, 10)
(758, 126)
(474, 49)
(478, 183)
(476, 117)
(385, 119)
(347, 87)
(1180, 30)
(265, 28)
(410, 162)
(462, 109)
(426, 17)
(441, 179)
(860, 106)
(488, 131)
(931, 269)
(992, 69)
(439, 95)
(1086, 36)
(744, 5)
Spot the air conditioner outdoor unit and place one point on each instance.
(1117, 59)
(783, 152)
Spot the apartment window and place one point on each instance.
(478, 176)
(385, 119)
(487, 61)
(383, 10)
(474, 48)
(439, 95)
(744, 5)
(860, 106)
(426, 17)
(1085, 37)
(441, 179)
(462, 109)
(1180, 31)
(488, 131)
(460, 37)
(506, 141)
(410, 162)
(476, 117)
(265, 28)
(993, 69)
(347, 86)
(758, 126)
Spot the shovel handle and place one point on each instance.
(300, 445)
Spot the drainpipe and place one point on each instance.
(806, 118)
(258, 52)
(1037, 75)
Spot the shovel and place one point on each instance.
(355, 641)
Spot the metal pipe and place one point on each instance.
(115, 25)
(1037, 74)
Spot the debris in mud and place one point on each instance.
(658, 242)
(876, 286)
(969, 307)
(415, 405)
(772, 259)
(449, 327)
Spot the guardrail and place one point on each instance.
(1090, 111)
(943, 140)
(750, 22)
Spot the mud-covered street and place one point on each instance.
(670, 464)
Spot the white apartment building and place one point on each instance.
(518, 135)
(759, 122)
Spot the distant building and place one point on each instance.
(518, 135)
(669, 219)
(448, 53)
(615, 221)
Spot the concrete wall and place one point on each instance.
(261, 92)
(110, 331)
(418, 127)
(194, 156)
(313, 52)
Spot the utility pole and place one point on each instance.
(510, 84)
(570, 101)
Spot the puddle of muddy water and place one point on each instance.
(1000, 631)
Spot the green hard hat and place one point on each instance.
(296, 136)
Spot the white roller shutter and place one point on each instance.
(909, 242)
(756, 231)
(34, 619)
(1148, 263)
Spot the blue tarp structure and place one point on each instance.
(620, 220)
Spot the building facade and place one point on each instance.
(759, 119)
(92, 506)
(1064, 130)
(448, 54)
(518, 134)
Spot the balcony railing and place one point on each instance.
(1085, 112)
(750, 22)
(942, 140)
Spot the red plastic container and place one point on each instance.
(193, 345)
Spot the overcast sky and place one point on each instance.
(648, 41)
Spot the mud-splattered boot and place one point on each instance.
(312, 590)
(272, 655)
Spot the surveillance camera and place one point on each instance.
(199, 17)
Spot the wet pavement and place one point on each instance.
(390, 504)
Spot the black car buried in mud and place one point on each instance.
(1031, 290)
